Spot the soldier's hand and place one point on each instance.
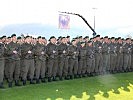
(15, 52)
(29, 51)
(64, 51)
(42, 53)
(74, 52)
(54, 51)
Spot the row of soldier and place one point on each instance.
(36, 60)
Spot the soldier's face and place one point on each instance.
(14, 38)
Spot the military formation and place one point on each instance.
(39, 60)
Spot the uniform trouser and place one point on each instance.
(73, 67)
(28, 67)
(14, 70)
(40, 68)
(119, 63)
(132, 61)
(113, 58)
(105, 62)
(82, 66)
(52, 67)
(21, 67)
(63, 66)
(6, 68)
(90, 65)
(126, 61)
(98, 62)
(2, 62)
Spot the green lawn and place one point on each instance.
(107, 87)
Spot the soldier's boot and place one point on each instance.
(66, 78)
(54, 78)
(24, 82)
(49, 79)
(37, 81)
(75, 76)
(32, 82)
(43, 80)
(1, 86)
(17, 83)
(60, 78)
(71, 76)
(10, 84)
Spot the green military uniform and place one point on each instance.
(113, 56)
(28, 62)
(73, 61)
(119, 64)
(40, 62)
(82, 60)
(2, 49)
(98, 57)
(52, 51)
(105, 52)
(90, 60)
(14, 62)
(63, 60)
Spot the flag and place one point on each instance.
(64, 21)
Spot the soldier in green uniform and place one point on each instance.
(105, 52)
(82, 60)
(73, 60)
(27, 51)
(90, 58)
(52, 51)
(40, 60)
(63, 59)
(13, 53)
(2, 62)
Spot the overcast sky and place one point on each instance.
(115, 16)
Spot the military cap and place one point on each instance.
(106, 37)
(52, 37)
(43, 38)
(27, 36)
(13, 35)
(18, 37)
(80, 36)
(63, 38)
(82, 42)
(39, 37)
(68, 37)
(89, 41)
(8, 37)
(86, 37)
(127, 38)
(98, 36)
(112, 37)
(73, 40)
(3, 36)
(119, 38)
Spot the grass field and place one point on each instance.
(107, 87)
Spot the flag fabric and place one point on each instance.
(64, 21)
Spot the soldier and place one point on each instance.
(52, 51)
(98, 55)
(73, 60)
(2, 62)
(63, 59)
(40, 60)
(105, 52)
(119, 64)
(132, 56)
(28, 60)
(82, 60)
(13, 53)
(90, 58)
(113, 55)
(127, 54)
